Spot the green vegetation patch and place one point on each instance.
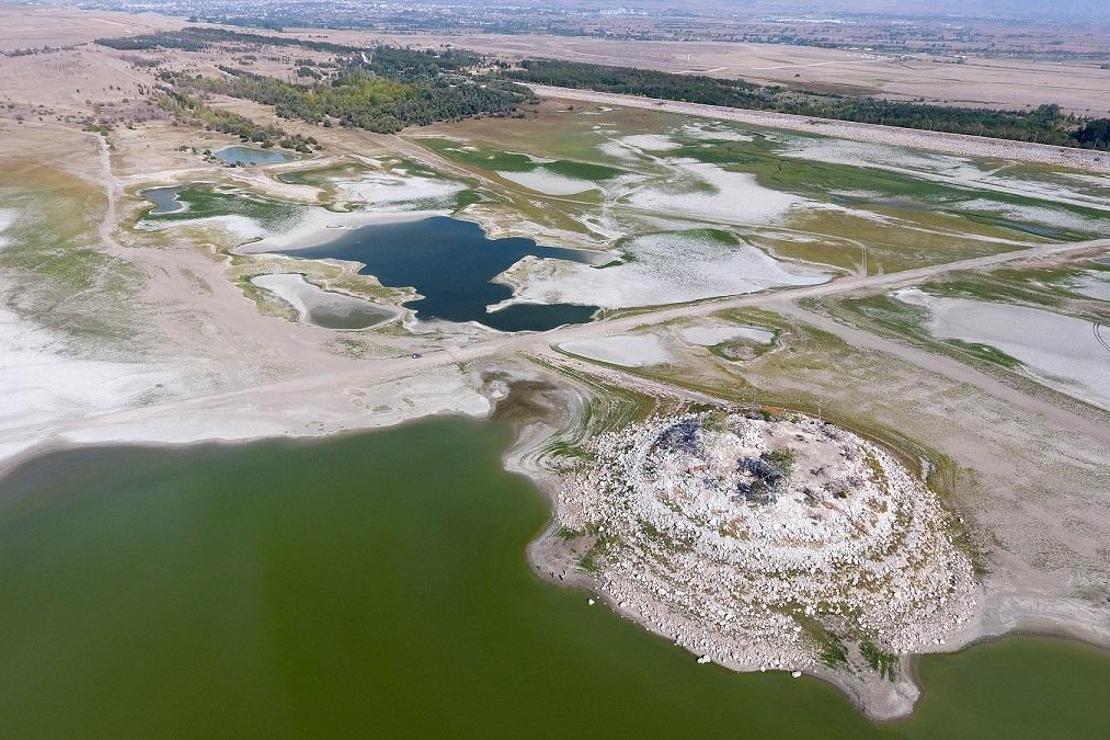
(206, 201)
(828, 182)
(882, 662)
(385, 92)
(583, 170)
(830, 649)
(498, 160)
(480, 157)
(61, 278)
(782, 458)
(187, 109)
(986, 353)
(591, 560)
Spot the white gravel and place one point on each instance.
(699, 547)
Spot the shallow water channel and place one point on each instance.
(451, 263)
(377, 585)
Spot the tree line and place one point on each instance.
(187, 109)
(195, 38)
(1046, 124)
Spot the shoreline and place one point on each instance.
(546, 556)
(519, 458)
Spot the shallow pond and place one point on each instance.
(377, 584)
(452, 263)
(165, 200)
(248, 155)
(323, 308)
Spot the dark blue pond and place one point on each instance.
(164, 200)
(451, 263)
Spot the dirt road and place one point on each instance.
(276, 396)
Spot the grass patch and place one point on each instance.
(830, 649)
(881, 661)
(60, 278)
(206, 201)
(567, 449)
(590, 562)
(782, 458)
(583, 170)
(480, 157)
(566, 534)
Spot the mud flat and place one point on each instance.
(323, 308)
(549, 183)
(731, 196)
(658, 269)
(1063, 352)
(631, 350)
(710, 335)
(397, 189)
(763, 542)
(1093, 284)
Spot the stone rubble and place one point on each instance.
(733, 534)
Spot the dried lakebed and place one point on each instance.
(662, 268)
(764, 542)
(1069, 354)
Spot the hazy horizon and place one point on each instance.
(1046, 9)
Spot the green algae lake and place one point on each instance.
(377, 584)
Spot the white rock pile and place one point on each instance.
(735, 534)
